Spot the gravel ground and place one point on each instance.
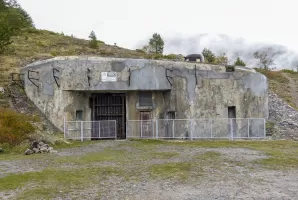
(236, 177)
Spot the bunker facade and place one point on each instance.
(97, 88)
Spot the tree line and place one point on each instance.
(156, 46)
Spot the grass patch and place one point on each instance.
(179, 170)
(53, 178)
(40, 193)
(273, 75)
(72, 144)
(106, 155)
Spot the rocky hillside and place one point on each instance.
(35, 45)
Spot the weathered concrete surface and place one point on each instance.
(192, 90)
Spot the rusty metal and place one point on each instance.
(169, 76)
(56, 77)
(30, 78)
(107, 106)
(129, 76)
(88, 77)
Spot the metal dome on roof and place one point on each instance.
(194, 58)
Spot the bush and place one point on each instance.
(14, 127)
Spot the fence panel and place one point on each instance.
(218, 128)
(81, 130)
(140, 129)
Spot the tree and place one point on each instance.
(12, 19)
(208, 55)
(93, 40)
(239, 62)
(221, 60)
(156, 44)
(264, 59)
(147, 49)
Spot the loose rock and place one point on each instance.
(29, 152)
(39, 147)
(1, 150)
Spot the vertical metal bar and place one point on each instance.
(156, 129)
(248, 127)
(264, 127)
(231, 124)
(115, 130)
(211, 129)
(152, 121)
(64, 127)
(98, 129)
(141, 129)
(173, 128)
(191, 129)
(81, 131)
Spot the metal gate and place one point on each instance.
(109, 107)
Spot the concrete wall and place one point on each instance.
(197, 90)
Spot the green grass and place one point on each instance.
(106, 155)
(57, 178)
(178, 170)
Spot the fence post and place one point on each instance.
(191, 129)
(82, 131)
(141, 129)
(156, 128)
(248, 127)
(231, 124)
(264, 128)
(152, 121)
(98, 129)
(211, 129)
(64, 127)
(115, 130)
(173, 128)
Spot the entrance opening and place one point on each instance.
(109, 106)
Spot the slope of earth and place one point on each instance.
(33, 45)
(283, 103)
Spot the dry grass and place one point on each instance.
(35, 45)
(281, 83)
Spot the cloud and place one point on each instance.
(232, 47)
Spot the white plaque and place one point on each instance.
(108, 76)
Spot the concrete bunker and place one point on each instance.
(136, 93)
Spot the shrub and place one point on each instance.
(14, 127)
(140, 51)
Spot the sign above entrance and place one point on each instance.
(108, 76)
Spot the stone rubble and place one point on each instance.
(39, 147)
(284, 117)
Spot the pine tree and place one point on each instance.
(208, 55)
(156, 44)
(93, 40)
(239, 62)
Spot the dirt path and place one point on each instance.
(146, 171)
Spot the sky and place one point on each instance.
(130, 23)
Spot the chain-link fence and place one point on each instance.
(87, 130)
(221, 128)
